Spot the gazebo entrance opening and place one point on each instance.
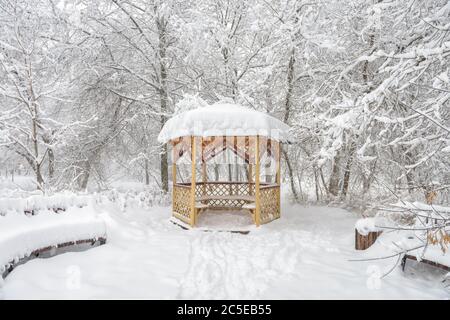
(203, 140)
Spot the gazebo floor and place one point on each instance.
(235, 221)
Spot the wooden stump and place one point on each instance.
(362, 242)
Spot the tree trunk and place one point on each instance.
(287, 110)
(410, 182)
(290, 86)
(147, 176)
(333, 186)
(51, 155)
(367, 180)
(164, 169)
(51, 164)
(316, 180)
(39, 178)
(163, 94)
(323, 181)
(34, 139)
(351, 154)
(409, 173)
(291, 174)
(85, 176)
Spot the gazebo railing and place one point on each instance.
(224, 195)
(181, 202)
(269, 203)
(217, 188)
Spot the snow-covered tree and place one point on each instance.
(34, 64)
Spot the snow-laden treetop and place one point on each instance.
(224, 119)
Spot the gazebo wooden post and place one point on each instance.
(174, 176)
(204, 176)
(193, 159)
(257, 191)
(250, 178)
(249, 163)
(278, 178)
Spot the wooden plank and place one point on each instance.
(250, 178)
(193, 160)
(200, 205)
(426, 261)
(251, 205)
(278, 177)
(257, 191)
(262, 184)
(227, 197)
(174, 179)
(204, 176)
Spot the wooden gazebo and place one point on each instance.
(201, 135)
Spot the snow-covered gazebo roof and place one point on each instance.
(223, 119)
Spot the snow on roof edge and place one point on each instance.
(224, 120)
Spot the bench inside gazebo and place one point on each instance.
(201, 136)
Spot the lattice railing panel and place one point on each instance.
(181, 201)
(270, 209)
(269, 205)
(224, 189)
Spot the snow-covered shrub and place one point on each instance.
(32, 204)
(140, 199)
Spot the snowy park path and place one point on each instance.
(304, 255)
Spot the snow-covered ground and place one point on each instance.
(304, 255)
